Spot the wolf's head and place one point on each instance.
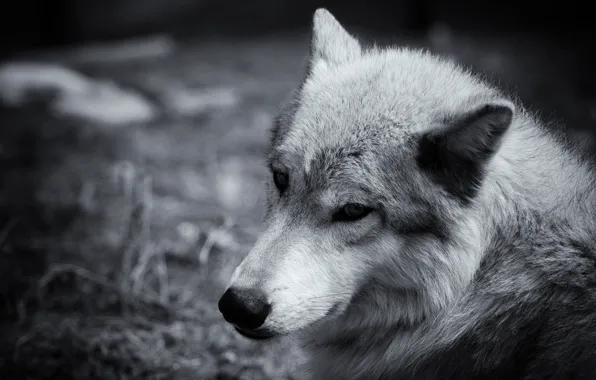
(376, 166)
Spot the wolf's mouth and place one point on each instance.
(255, 335)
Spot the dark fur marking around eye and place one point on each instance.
(424, 224)
(281, 179)
(351, 212)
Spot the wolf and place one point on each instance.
(420, 224)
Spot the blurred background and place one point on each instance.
(132, 140)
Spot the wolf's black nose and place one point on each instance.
(244, 308)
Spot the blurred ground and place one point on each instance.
(117, 240)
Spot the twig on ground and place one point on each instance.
(136, 249)
(137, 273)
(87, 196)
(211, 240)
(161, 268)
(59, 269)
(123, 175)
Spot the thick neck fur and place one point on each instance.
(533, 170)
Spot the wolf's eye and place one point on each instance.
(351, 213)
(281, 180)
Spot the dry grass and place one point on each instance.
(133, 321)
(140, 228)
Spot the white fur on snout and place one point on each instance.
(235, 275)
(256, 266)
(308, 282)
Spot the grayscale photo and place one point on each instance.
(297, 190)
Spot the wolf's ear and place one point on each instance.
(330, 41)
(456, 154)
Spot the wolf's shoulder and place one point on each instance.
(541, 254)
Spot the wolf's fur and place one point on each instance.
(529, 313)
(478, 260)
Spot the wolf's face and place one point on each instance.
(376, 166)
